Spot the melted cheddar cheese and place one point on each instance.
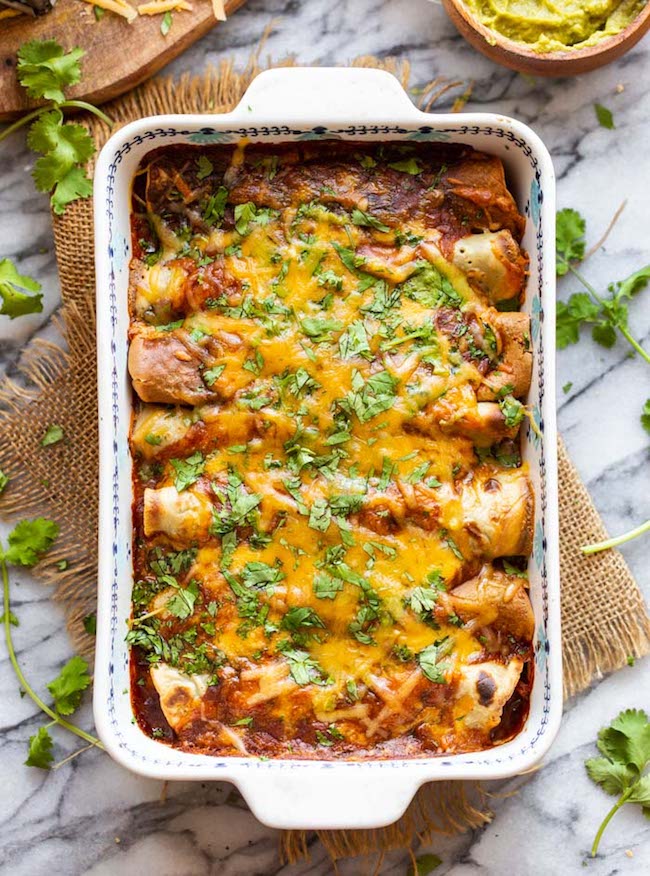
(325, 450)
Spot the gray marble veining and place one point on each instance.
(92, 817)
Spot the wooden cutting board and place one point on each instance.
(118, 56)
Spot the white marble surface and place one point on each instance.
(91, 816)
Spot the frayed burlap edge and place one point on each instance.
(604, 623)
(60, 481)
(443, 808)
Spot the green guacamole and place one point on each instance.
(556, 25)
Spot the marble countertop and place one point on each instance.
(92, 817)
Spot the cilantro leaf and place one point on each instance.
(627, 739)
(423, 600)
(45, 70)
(613, 778)
(63, 146)
(53, 434)
(384, 300)
(348, 256)
(370, 397)
(512, 410)
(640, 793)
(242, 505)
(13, 620)
(634, 283)
(14, 301)
(449, 542)
(625, 745)
(247, 214)
(326, 586)
(181, 605)
(406, 165)
(604, 116)
(214, 210)
(40, 750)
(604, 334)
(213, 374)
(301, 616)
(29, 539)
(330, 279)
(430, 288)
(361, 218)
(645, 419)
(354, 341)
(75, 184)
(424, 865)
(4, 480)
(320, 330)
(188, 471)
(166, 25)
(261, 575)
(569, 239)
(571, 315)
(320, 515)
(205, 167)
(69, 685)
(430, 660)
(304, 670)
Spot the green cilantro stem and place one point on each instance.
(79, 104)
(637, 346)
(612, 812)
(56, 719)
(615, 542)
(585, 283)
(624, 331)
(19, 123)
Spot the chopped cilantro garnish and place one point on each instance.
(187, 470)
(430, 660)
(361, 218)
(406, 165)
(213, 374)
(326, 586)
(354, 341)
(370, 397)
(319, 329)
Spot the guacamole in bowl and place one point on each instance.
(556, 25)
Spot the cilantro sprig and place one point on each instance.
(625, 746)
(45, 70)
(27, 543)
(606, 315)
(15, 291)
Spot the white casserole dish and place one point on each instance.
(298, 104)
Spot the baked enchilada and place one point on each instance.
(331, 518)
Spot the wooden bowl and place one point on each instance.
(516, 56)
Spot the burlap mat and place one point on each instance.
(603, 615)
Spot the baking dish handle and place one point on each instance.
(328, 796)
(324, 95)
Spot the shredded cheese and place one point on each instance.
(219, 10)
(153, 7)
(156, 7)
(119, 7)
